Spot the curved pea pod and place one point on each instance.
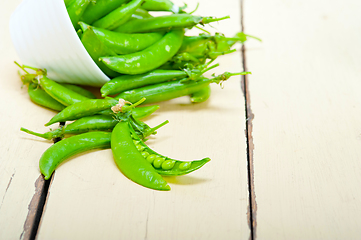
(124, 43)
(149, 58)
(99, 8)
(64, 149)
(75, 10)
(160, 5)
(97, 49)
(131, 162)
(59, 92)
(40, 97)
(202, 95)
(82, 109)
(165, 23)
(79, 90)
(127, 82)
(166, 166)
(118, 16)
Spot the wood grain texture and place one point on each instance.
(306, 129)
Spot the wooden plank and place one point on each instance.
(90, 199)
(20, 184)
(304, 94)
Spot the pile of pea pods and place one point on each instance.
(149, 59)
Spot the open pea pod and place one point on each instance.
(163, 165)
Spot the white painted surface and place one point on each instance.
(305, 97)
(19, 152)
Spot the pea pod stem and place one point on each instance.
(161, 23)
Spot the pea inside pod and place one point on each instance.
(164, 165)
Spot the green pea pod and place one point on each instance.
(82, 109)
(131, 162)
(140, 14)
(76, 10)
(164, 165)
(64, 149)
(174, 89)
(68, 2)
(127, 82)
(79, 90)
(202, 95)
(160, 5)
(165, 23)
(149, 58)
(99, 8)
(40, 97)
(60, 93)
(97, 49)
(124, 43)
(207, 46)
(92, 123)
(118, 16)
(193, 44)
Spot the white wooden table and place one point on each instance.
(285, 142)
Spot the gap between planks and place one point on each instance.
(252, 207)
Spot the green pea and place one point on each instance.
(145, 154)
(151, 158)
(135, 142)
(158, 162)
(168, 164)
(140, 147)
(185, 165)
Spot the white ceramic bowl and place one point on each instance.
(44, 37)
